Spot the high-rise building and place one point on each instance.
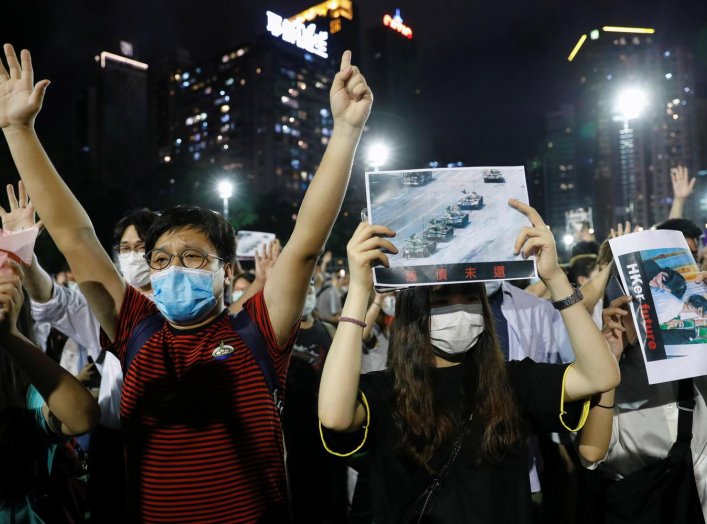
(257, 113)
(635, 118)
(391, 69)
(111, 160)
(563, 190)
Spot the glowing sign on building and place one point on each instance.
(396, 24)
(295, 32)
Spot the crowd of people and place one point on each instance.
(164, 382)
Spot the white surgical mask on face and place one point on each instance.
(309, 304)
(388, 306)
(456, 329)
(134, 268)
(237, 294)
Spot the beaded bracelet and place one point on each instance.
(352, 321)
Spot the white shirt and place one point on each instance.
(645, 424)
(68, 312)
(535, 330)
(667, 305)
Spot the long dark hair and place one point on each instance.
(424, 426)
(21, 442)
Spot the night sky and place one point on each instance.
(490, 69)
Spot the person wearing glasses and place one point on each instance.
(202, 434)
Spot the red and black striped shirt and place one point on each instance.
(202, 435)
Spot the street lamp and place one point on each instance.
(225, 191)
(629, 105)
(377, 155)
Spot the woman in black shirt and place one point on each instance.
(448, 378)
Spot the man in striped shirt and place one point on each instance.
(202, 434)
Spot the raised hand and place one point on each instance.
(364, 250)
(265, 262)
(612, 325)
(623, 229)
(682, 185)
(350, 96)
(11, 295)
(537, 240)
(22, 214)
(20, 98)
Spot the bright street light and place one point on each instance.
(225, 191)
(568, 240)
(377, 155)
(630, 104)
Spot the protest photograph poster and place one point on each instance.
(249, 242)
(669, 307)
(447, 224)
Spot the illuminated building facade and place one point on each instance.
(628, 159)
(392, 71)
(563, 189)
(258, 113)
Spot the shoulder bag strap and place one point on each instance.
(421, 506)
(686, 407)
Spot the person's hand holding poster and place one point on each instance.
(452, 225)
(669, 303)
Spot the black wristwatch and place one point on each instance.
(571, 300)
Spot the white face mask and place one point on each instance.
(134, 268)
(237, 294)
(388, 306)
(456, 329)
(492, 287)
(309, 304)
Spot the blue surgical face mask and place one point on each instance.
(182, 294)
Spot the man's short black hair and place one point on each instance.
(687, 227)
(219, 232)
(581, 266)
(585, 247)
(698, 301)
(142, 219)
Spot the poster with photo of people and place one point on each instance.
(669, 306)
(447, 224)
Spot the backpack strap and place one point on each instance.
(147, 327)
(248, 332)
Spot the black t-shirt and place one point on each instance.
(473, 492)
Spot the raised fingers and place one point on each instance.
(345, 60)
(12, 63)
(11, 198)
(525, 234)
(27, 71)
(528, 211)
(22, 199)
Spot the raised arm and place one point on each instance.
(682, 188)
(595, 369)
(595, 437)
(339, 408)
(70, 408)
(286, 289)
(63, 216)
